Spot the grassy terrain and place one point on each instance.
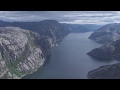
(14, 71)
(12, 64)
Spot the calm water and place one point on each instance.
(69, 59)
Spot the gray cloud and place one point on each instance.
(75, 17)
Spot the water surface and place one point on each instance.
(69, 59)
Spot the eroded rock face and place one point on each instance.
(24, 51)
(4, 71)
(20, 54)
(105, 72)
(107, 34)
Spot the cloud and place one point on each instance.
(75, 17)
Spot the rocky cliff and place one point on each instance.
(23, 51)
(107, 51)
(107, 34)
(105, 72)
(19, 54)
(51, 28)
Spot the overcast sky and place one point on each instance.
(73, 17)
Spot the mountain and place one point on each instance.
(25, 46)
(81, 28)
(107, 33)
(19, 54)
(51, 28)
(105, 72)
(107, 51)
(48, 28)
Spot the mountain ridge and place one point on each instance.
(106, 34)
(24, 47)
(81, 28)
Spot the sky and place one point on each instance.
(71, 17)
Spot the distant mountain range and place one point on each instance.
(109, 35)
(81, 28)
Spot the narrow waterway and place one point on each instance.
(69, 59)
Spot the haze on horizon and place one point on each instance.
(71, 17)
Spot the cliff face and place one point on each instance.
(19, 52)
(107, 33)
(23, 51)
(105, 72)
(51, 28)
(107, 51)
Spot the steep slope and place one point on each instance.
(107, 51)
(23, 51)
(110, 36)
(107, 34)
(47, 28)
(51, 28)
(105, 72)
(20, 52)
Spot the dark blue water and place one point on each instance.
(69, 59)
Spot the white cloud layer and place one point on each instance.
(73, 17)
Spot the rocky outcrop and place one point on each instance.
(20, 52)
(105, 72)
(110, 36)
(106, 34)
(107, 51)
(52, 30)
(104, 52)
(23, 51)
